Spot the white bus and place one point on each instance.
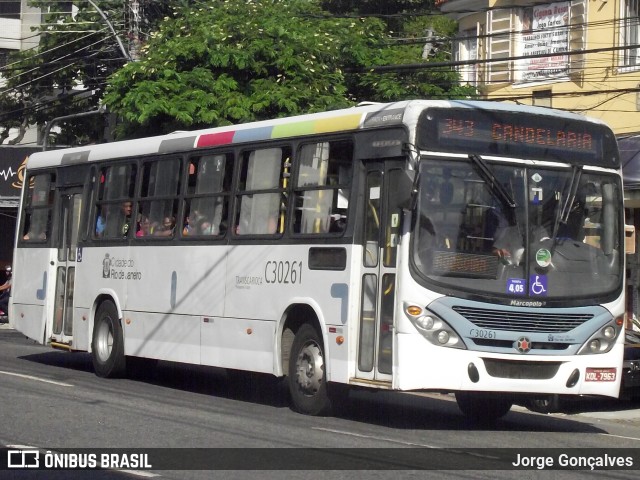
(445, 246)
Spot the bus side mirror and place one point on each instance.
(404, 189)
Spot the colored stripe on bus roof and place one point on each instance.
(345, 122)
(213, 139)
(252, 134)
(325, 125)
(294, 129)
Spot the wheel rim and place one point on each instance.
(104, 341)
(310, 369)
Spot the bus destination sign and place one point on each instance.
(517, 135)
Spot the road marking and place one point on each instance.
(139, 473)
(38, 379)
(620, 436)
(352, 434)
(391, 440)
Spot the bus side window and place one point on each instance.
(114, 207)
(261, 196)
(322, 187)
(158, 198)
(207, 204)
(37, 212)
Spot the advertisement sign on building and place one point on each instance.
(545, 42)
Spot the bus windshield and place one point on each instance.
(527, 235)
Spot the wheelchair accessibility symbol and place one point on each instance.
(538, 285)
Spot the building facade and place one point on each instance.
(16, 21)
(580, 55)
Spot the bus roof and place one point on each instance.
(350, 119)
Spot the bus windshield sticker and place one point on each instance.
(538, 285)
(535, 195)
(543, 257)
(516, 286)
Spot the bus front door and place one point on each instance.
(378, 285)
(68, 211)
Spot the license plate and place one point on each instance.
(600, 375)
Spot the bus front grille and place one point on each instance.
(521, 369)
(514, 321)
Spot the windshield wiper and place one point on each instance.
(490, 179)
(562, 215)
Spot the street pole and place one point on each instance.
(52, 122)
(125, 54)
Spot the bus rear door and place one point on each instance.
(69, 208)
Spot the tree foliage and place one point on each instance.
(65, 74)
(244, 60)
(238, 61)
(207, 63)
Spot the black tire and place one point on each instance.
(307, 375)
(107, 346)
(483, 408)
(545, 404)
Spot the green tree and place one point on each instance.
(239, 61)
(67, 73)
(245, 60)
(423, 42)
(409, 23)
(213, 63)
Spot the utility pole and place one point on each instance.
(134, 29)
(429, 46)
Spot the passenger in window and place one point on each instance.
(126, 210)
(100, 225)
(338, 223)
(31, 235)
(144, 227)
(36, 232)
(188, 227)
(166, 228)
(206, 228)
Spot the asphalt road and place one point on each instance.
(51, 400)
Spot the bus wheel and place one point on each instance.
(483, 407)
(107, 346)
(545, 404)
(307, 376)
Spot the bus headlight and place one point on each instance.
(609, 332)
(425, 322)
(432, 327)
(443, 337)
(602, 341)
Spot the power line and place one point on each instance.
(455, 63)
(33, 80)
(39, 54)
